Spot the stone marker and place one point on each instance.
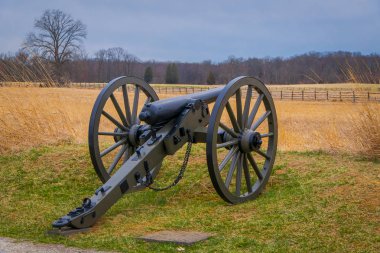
(179, 237)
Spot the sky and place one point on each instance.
(198, 30)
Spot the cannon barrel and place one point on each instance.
(164, 110)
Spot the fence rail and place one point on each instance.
(305, 94)
(297, 94)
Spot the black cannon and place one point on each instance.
(127, 147)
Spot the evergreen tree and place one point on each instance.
(175, 73)
(168, 73)
(210, 78)
(171, 74)
(148, 75)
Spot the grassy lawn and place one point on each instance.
(314, 202)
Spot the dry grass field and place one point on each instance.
(31, 117)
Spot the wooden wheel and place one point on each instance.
(114, 123)
(242, 140)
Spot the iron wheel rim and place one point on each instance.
(218, 181)
(98, 112)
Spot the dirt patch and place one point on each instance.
(8, 245)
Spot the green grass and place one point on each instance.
(314, 202)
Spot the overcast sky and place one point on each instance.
(198, 30)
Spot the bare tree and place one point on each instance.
(58, 39)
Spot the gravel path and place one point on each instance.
(8, 245)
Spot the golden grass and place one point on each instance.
(38, 116)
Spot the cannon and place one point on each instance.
(131, 132)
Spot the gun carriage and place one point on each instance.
(129, 157)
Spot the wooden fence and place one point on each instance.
(306, 94)
(297, 94)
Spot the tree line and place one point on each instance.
(53, 55)
(107, 64)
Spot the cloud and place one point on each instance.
(197, 30)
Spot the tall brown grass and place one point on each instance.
(359, 71)
(27, 68)
(38, 116)
(367, 131)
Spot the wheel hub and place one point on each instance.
(132, 135)
(249, 141)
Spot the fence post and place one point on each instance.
(281, 94)
(368, 96)
(315, 94)
(353, 96)
(292, 94)
(340, 96)
(327, 94)
(302, 95)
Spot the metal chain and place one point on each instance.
(181, 171)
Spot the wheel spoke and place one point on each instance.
(254, 165)
(228, 130)
(254, 110)
(232, 117)
(239, 109)
(112, 147)
(227, 144)
(247, 175)
(227, 158)
(258, 151)
(135, 104)
(112, 134)
(126, 104)
(118, 109)
(232, 169)
(238, 175)
(117, 159)
(113, 120)
(266, 135)
(260, 120)
(247, 105)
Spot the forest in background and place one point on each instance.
(313, 67)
